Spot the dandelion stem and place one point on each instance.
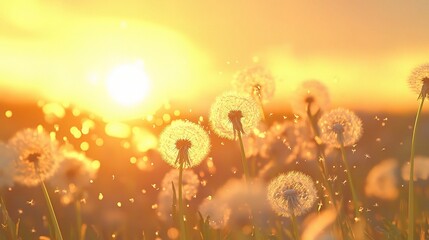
(320, 148)
(294, 226)
(350, 179)
(411, 182)
(7, 220)
(78, 209)
(243, 159)
(279, 229)
(181, 219)
(52, 216)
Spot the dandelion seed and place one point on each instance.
(38, 158)
(311, 94)
(184, 142)
(256, 81)
(292, 194)
(419, 80)
(340, 126)
(233, 113)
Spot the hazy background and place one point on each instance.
(190, 50)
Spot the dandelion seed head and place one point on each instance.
(256, 81)
(76, 170)
(242, 200)
(382, 180)
(421, 169)
(234, 112)
(317, 226)
(190, 183)
(7, 165)
(292, 193)
(281, 142)
(184, 139)
(39, 155)
(310, 92)
(419, 80)
(218, 213)
(340, 126)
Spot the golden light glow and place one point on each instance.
(118, 130)
(128, 84)
(144, 139)
(65, 51)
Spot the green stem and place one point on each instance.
(350, 179)
(411, 182)
(7, 220)
(52, 216)
(279, 229)
(181, 220)
(321, 160)
(295, 227)
(243, 159)
(78, 208)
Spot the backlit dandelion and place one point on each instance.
(382, 180)
(282, 143)
(234, 113)
(190, 183)
(292, 194)
(38, 158)
(421, 169)
(218, 213)
(419, 80)
(76, 171)
(256, 81)
(244, 200)
(318, 225)
(310, 97)
(184, 142)
(340, 127)
(7, 165)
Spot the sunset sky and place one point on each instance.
(188, 51)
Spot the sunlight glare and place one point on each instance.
(128, 84)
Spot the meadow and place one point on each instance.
(236, 171)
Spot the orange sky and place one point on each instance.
(189, 50)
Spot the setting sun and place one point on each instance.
(128, 84)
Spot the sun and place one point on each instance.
(128, 84)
